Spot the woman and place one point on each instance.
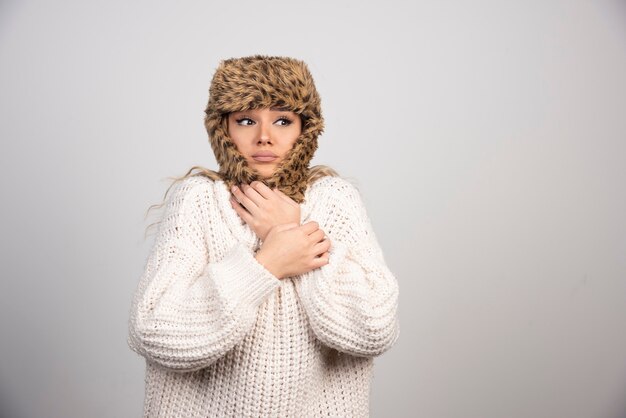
(266, 292)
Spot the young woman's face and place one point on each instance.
(261, 132)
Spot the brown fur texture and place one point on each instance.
(260, 81)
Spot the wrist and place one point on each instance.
(260, 257)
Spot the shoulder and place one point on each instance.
(334, 186)
(198, 181)
(337, 194)
(337, 205)
(191, 192)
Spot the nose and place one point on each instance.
(264, 134)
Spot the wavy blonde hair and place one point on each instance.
(315, 173)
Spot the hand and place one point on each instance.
(264, 208)
(293, 249)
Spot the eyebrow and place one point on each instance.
(273, 108)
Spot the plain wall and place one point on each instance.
(487, 139)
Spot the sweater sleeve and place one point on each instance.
(352, 301)
(187, 312)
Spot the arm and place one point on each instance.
(186, 312)
(352, 301)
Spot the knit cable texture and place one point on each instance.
(223, 337)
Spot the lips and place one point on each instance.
(264, 156)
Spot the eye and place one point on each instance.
(242, 119)
(286, 120)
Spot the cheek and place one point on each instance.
(238, 138)
(241, 148)
(294, 138)
(290, 136)
(238, 133)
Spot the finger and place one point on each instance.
(241, 211)
(317, 236)
(322, 246)
(244, 199)
(253, 194)
(321, 260)
(310, 227)
(239, 208)
(262, 189)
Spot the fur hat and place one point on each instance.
(260, 81)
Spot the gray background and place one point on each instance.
(487, 139)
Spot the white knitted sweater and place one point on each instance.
(223, 337)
